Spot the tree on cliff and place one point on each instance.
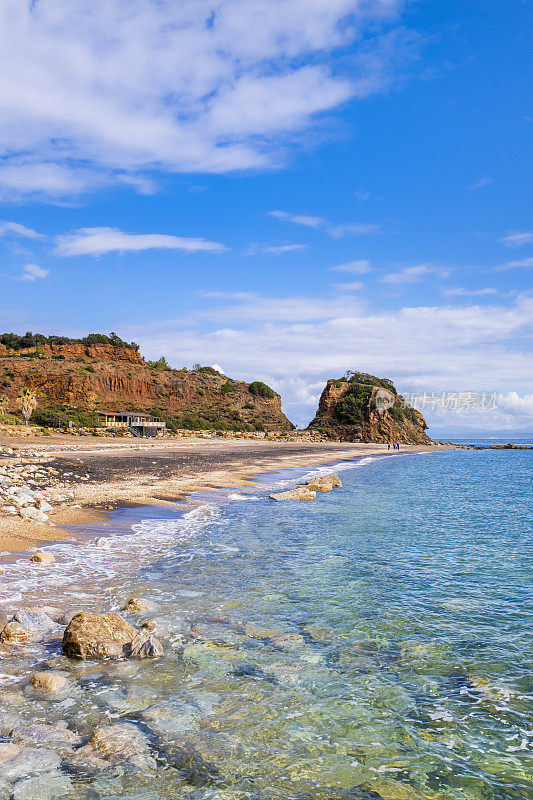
(28, 403)
(4, 404)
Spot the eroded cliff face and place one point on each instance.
(106, 378)
(98, 352)
(368, 412)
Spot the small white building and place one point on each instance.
(139, 424)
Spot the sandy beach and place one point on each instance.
(97, 475)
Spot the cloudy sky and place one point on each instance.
(286, 188)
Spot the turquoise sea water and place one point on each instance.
(375, 643)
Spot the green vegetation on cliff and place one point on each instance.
(15, 342)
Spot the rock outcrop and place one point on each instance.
(326, 483)
(365, 408)
(300, 493)
(107, 636)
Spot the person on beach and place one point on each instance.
(388, 445)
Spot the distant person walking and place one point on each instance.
(388, 445)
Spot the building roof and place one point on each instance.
(125, 414)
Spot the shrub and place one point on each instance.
(10, 419)
(260, 389)
(59, 357)
(227, 388)
(351, 409)
(59, 417)
(161, 364)
(208, 370)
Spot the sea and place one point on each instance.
(375, 643)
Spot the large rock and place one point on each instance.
(301, 493)
(15, 633)
(98, 636)
(32, 514)
(324, 484)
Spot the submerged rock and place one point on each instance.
(8, 750)
(300, 493)
(30, 761)
(113, 744)
(43, 787)
(48, 735)
(97, 636)
(48, 681)
(138, 604)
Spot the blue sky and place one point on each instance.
(288, 189)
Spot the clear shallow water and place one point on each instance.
(372, 644)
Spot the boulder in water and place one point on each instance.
(48, 681)
(15, 633)
(41, 557)
(300, 493)
(98, 636)
(324, 484)
(138, 604)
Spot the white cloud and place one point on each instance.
(15, 229)
(295, 344)
(299, 219)
(483, 181)
(336, 231)
(460, 292)
(352, 229)
(360, 267)
(252, 307)
(517, 239)
(32, 272)
(350, 287)
(187, 86)
(273, 249)
(96, 241)
(414, 274)
(521, 263)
